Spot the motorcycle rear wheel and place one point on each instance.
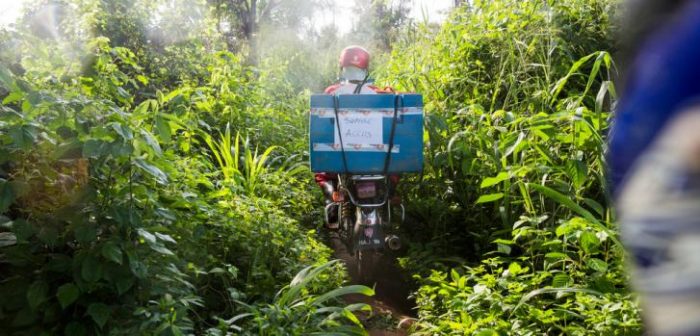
(365, 260)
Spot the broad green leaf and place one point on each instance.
(6, 77)
(124, 283)
(572, 225)
(217, 270)
(91, 269)
(75, 329)
(138, 268)
(597, 265)
(486, 332)
(503, 248)
(166, 238)
(7, 195)
(173, 330)
(85, 232)
(26, 106)
(169, 214)
(514, 268)
(603, 284)
(120, 149)
(112, 252)
(123, 130)
(589, 241)
(560, 280)
(123, 93)
(163, 127)
(37, 294)
(25, 317)
(142, 108)
(143, 79)
(22, 136)
(99, 312)
(48, 235)
(93, 148)
(67, 294)
(152, 170)
(171, 95)
(489, 198)
(454, 275)
(161, 249)
(147, 236)
(556, 255)
(504, 241)
(152, 142)
(22, 229)
(12, 97)
(60, 263)
(491, 181)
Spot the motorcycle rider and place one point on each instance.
(354, 73)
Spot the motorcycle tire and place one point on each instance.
(365, 260)
(347, 224)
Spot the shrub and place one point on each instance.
(517, 95)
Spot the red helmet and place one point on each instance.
(354, 56)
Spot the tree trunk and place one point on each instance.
(252, 38)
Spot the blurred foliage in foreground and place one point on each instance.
(513, 229)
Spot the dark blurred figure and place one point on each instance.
(654, 160)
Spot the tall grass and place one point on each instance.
(241, 166)
(296, 310)
(518, 97)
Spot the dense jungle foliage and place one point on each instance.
(154, 172)
(516, 234)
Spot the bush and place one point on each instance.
(115, 208)
(517, 100)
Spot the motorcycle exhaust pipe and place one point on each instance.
(393, 242)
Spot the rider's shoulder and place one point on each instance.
(331, 89)
(384, 90)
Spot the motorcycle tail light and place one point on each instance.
(338, 196)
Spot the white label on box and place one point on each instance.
(360, 129)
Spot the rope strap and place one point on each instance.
(336, 103)
(398, 99)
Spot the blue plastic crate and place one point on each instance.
(365, 130)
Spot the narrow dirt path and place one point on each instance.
(392, 310)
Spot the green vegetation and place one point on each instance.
(125, 211)
(162, 187)
(518, 99)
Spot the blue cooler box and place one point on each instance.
(365, 123)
